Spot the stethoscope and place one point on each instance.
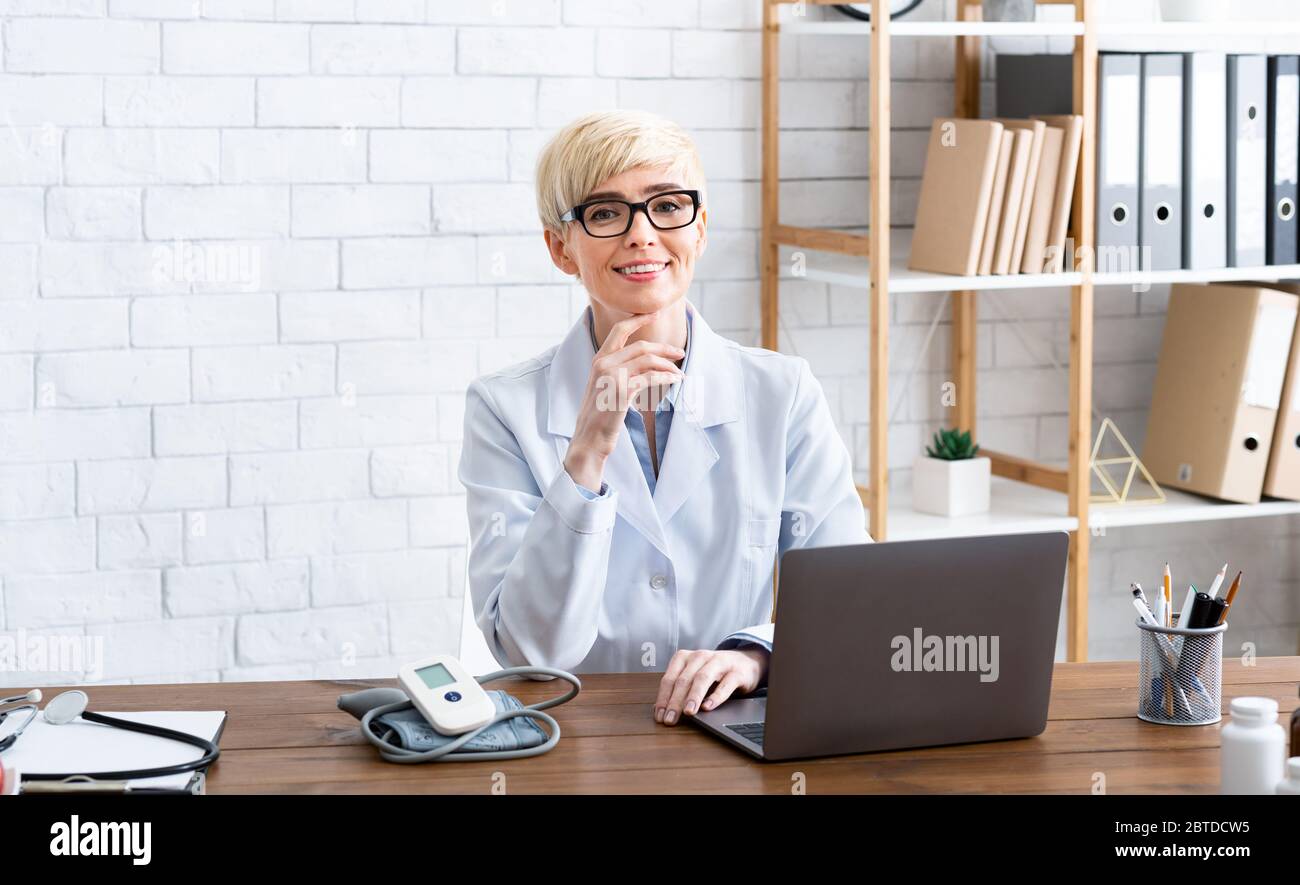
(69, 705)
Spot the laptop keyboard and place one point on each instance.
(751, 731)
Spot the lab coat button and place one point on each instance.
(659, 582)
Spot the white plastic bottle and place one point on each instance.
(1252, 752)
(1290, 786)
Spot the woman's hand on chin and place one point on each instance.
(620, 372)
(691, 674)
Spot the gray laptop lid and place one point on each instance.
(913, 643)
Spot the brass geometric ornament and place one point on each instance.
(1117, 472)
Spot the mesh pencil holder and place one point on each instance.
(1181, 674)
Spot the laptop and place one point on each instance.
(898, 644)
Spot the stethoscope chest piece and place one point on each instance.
(66, 706)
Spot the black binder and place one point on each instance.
(1283, 158)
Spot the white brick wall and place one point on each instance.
(252, 252)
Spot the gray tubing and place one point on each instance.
(446, 753)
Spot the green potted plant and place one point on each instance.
(950, 480)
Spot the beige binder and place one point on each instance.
(1020, 150)
(1282, 477)
(1071, 143)
(995, 204)
(1040, 208)
(1036, 128)
(955, 190)
(1218, 384)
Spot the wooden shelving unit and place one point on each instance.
(1027, 495)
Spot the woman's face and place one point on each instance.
(597, 259)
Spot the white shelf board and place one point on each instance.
(1214, 275)
(1014, 507)
(846, 270)
(1017, 507)
(905, 28)
(1172, 30)
(1198, 29)
(1184, 507)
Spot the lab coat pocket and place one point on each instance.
(764, 532)
(764, 536)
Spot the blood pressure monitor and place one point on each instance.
(449, 698)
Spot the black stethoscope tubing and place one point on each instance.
(210, 753)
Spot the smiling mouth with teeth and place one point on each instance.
(651, 267)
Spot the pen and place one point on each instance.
(1145, 614)
(1218, 581)
(1163, 620)
(1137, 591)
(92, 787)
(1169, 598)
(1162, 684)
(1140, 604)
(1185, 613)
(1218, 606)
(1193, 655)
(1164, 643)
(1199, 612)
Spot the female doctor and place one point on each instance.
(630, 490)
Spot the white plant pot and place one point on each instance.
(951, 488)
(1193, 10)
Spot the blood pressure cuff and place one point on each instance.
(410, 730)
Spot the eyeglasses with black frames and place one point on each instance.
(613, 218)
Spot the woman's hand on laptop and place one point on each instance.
(691, 674)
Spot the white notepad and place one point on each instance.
(87, 747)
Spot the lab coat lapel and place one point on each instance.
(710, 394)
(623, 472)
(689, 456)
(566, 385)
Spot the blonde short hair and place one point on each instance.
(600, 145)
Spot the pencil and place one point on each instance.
(1232, 592)
(1218, 581)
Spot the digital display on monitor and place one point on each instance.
(435, 676)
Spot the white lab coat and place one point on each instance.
(753, 467)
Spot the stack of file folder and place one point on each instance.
(1225, 410)
(1197, 160)
(996, 195)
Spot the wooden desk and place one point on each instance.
(290, 737)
